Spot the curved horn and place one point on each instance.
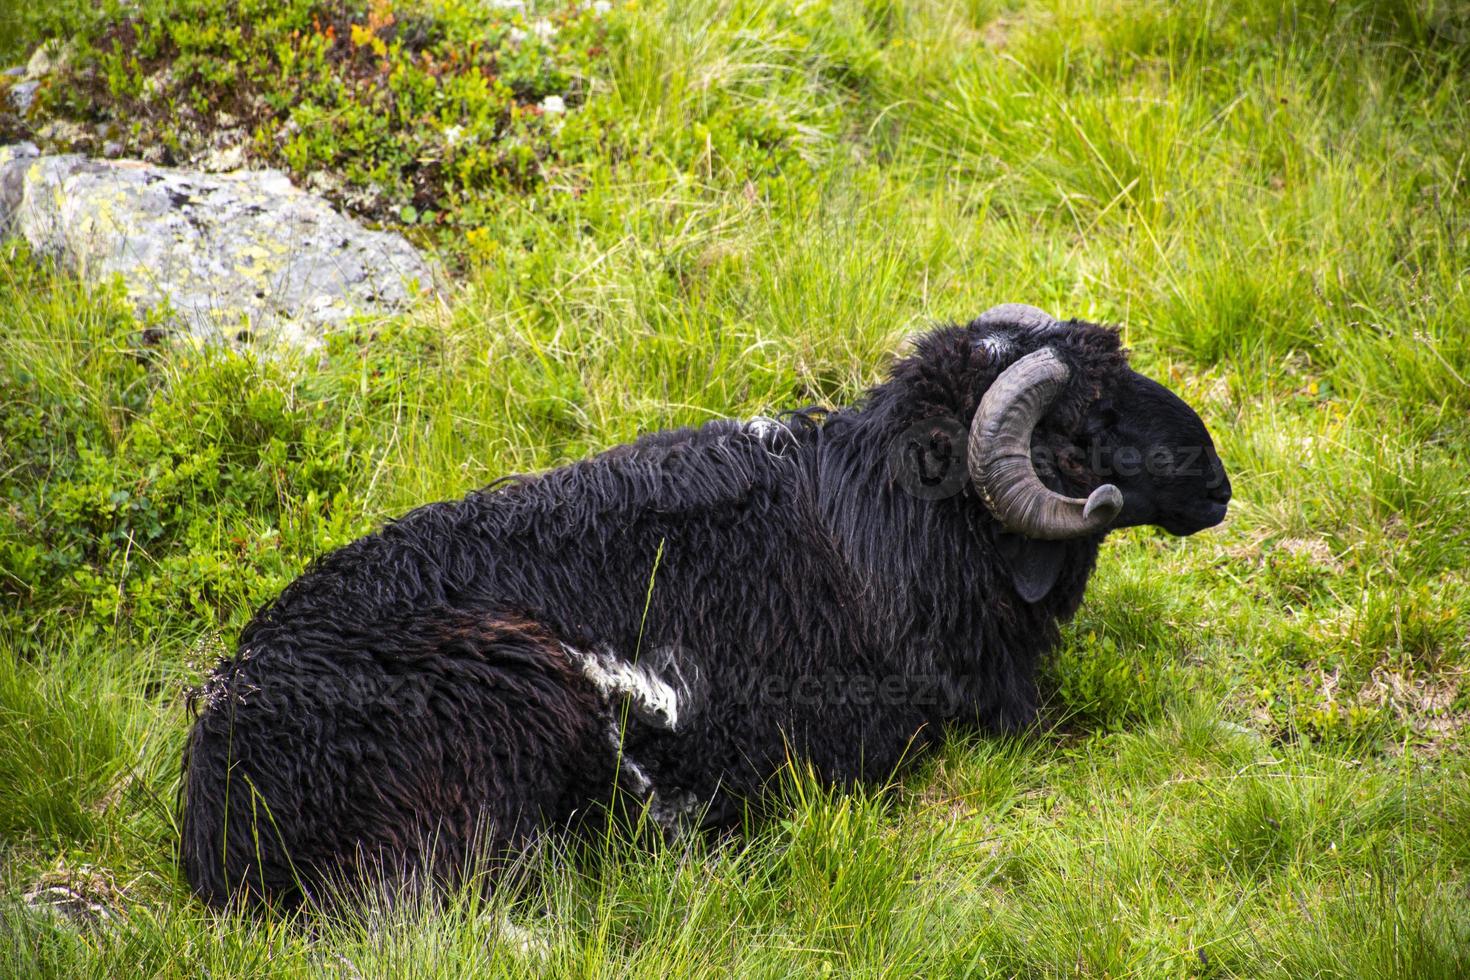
(1000, 456)
(1017, 314)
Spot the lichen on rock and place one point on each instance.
(220, 253)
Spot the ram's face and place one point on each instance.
(1069, 442)
(1146, 441)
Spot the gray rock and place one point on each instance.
(224, 158)
(46, 59)
(221, 252)
(22, 95)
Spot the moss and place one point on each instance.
(411, 107)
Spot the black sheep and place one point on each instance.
(670, 621)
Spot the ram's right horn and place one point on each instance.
(1000, 452)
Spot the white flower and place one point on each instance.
(553, 103)
(453, 135)
(600, 7)
(516, 35)
(543, 29)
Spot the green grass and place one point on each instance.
(1258, 763)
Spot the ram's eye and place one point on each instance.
(1073, 462)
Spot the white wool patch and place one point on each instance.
(775, 435)
(763, 426)
(655, 701)
(997, 344)
(651, 699)
(637, 778)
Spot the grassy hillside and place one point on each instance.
(1257, 762)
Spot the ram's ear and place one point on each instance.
(1034, 564)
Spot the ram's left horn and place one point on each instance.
(1000, 456)
(1018, 315)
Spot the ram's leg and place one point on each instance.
(414, 748)
(650, 698)
(639, 692)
